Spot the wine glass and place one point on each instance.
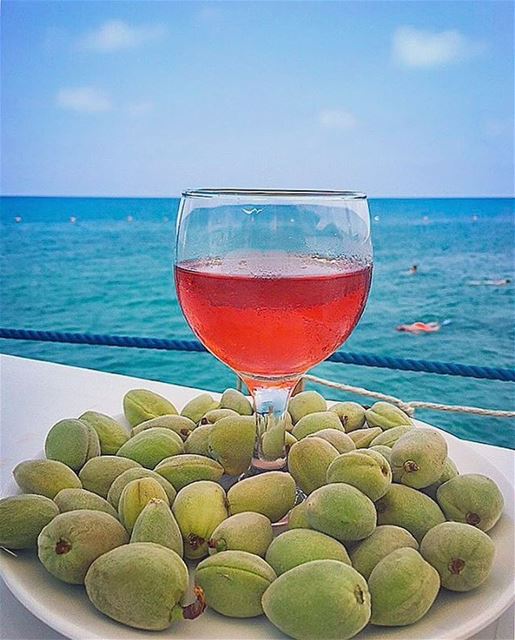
(272, 282)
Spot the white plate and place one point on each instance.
(454, 616)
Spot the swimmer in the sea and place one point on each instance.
(412, 271)
(501, 282)
(420, 327)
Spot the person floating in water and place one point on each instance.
(413, 270)
(420, 327)
(500, 282)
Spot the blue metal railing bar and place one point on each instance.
(345, 357)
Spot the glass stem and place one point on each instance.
(270, 405)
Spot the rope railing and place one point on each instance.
(345, 357)
(411, 406)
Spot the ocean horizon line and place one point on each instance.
(176, 197)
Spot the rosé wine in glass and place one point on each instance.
(303, 309)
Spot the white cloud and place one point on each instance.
(114, 35)
(83, 99)
(337, 119)
(418, 48)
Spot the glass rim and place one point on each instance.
(279, 193)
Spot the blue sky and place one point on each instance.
(149, 98)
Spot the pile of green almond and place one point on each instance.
(387, 519)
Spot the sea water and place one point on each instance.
(110, 272)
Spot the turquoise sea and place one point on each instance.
(105, 274)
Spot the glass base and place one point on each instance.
(270, 452)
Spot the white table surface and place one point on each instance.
(34, 395)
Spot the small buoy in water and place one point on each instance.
(475, 218)
(130, 218)
(377, 218)
(73, 219)
(425, 219)
(18, 219)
